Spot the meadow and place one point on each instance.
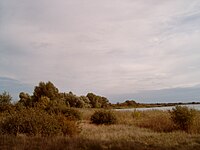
(138, 130)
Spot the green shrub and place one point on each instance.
(37, 122)
(55, 107)
(70, 113)
(183, 117)
(103, 117)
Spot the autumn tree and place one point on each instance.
(45, 89)
(97, 101)
(71, 99)
(85, 101)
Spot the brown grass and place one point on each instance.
(195, 128)
(149, 130)
(127, 133)
(106, 137)
(155, 120)
(158, 121)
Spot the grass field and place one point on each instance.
(149, 130)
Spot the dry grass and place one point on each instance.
(125, 117)
(158, 121)
(148, 130)
(87, 113)
(106, 137)
(195, 128)
(127, 133)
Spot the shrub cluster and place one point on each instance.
(45, 93)
(37, 122)
(103, 117)
(72, 114)
(69, 113)
(183, 117)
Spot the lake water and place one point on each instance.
(193, 106)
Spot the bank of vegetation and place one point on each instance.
(134, 104)
(49, 119)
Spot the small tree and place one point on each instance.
(71, 99)
(97, 101)
(45, 89)
(5, 98)
(85, 100)
(183, 117)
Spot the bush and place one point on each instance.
(37, 122)
(69, 127)
(71, 114)
(183, 117)
(103, 117)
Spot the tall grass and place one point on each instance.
(195, 128)
(135, 139)
(155, 120)
(153, 130)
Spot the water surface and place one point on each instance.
(193, 106)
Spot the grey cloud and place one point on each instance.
(108, 47)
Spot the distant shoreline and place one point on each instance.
(150, 105)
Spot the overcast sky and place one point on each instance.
(109, 47)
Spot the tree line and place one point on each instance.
(47, 94)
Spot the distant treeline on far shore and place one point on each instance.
(134, 104)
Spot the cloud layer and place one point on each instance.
(108, 47)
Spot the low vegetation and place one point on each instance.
(183, 117)
(134, 104)
(157, 121)
(35, 122)
(103, 117)
(49, 119)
